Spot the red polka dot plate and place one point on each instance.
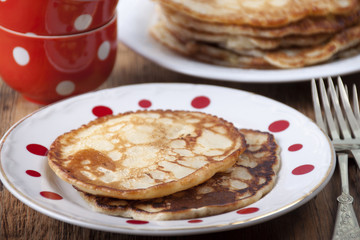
(307, 155)
(138, 39)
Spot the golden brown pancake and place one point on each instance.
(217, 37)
(293, 58)
(145, 154)
(243, 42)
(282, 57)
(205, 52)
(260, 13)
(307, 26)
(253, 176)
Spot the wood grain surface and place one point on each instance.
(313, 220)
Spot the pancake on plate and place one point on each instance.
(260, 13)
(205, 52)
(253, 176)
(258, 34)
(145, 154)
(308, 26)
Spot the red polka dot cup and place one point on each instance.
(55, 17)
(45, 69)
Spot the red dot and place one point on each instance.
(279, 126)
(101, 111)
(144, 103)
(33, 173)
(303, 169)
(137, 222)
(295, 147)
(37, 149)
(200, 102)
(51, 195)
(195, 221)
(248, 210)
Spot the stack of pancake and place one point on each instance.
(259, 33)
(166, 165)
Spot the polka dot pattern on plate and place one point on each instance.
(33, 173)
(279, 126)
(195, 221)
(303, 169)
(295, 147)
(144, 103)
(247, 210)
(198, 102)
(37, 149)
(101, 111)
(137, 222)
(51, 195)
(40, 150)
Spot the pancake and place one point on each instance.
(204, 52)
(145, 154)
(308, 26)
(260, 13)
(294, 58)
(243, 42)
(253, 176)
(284, 57)
(351, 52)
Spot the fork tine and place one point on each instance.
(344, 129)
(356, 104)
(348, 111)
(330, 120)
(317, 109)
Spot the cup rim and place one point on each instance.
(36, 36)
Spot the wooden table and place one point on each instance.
(314, 220)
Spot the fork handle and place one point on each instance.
(343, 164)
(346, 225)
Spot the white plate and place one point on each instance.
(134, 18)
(304, 147)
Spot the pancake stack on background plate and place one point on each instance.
(166, 165)
(259, 34)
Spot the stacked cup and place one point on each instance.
(53, 49)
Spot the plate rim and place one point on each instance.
(170, 231)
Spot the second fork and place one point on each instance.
(344, 132)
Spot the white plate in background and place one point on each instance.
(134, 18)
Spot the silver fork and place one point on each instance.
(344, 132)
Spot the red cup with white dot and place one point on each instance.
(55, 17)
(45, 69)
